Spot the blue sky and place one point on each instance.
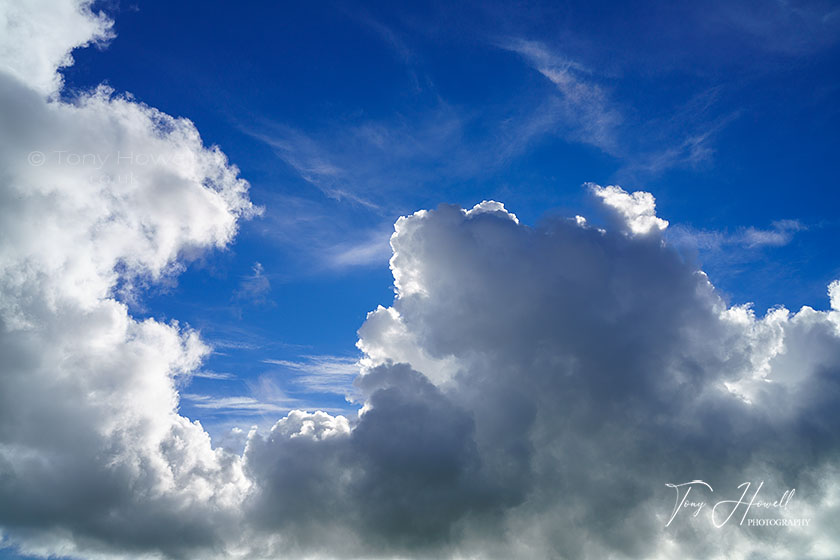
(345, 116)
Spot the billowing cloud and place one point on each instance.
(36, 38)
(528, 394)
(638, 209)
(598, 366)
(531, 392)
(98, 195)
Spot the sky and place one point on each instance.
(416, 280)
(344, 117)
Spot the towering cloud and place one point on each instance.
(97, 194)
(598, 366)
(529, 393)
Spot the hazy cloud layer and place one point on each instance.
(528, 394)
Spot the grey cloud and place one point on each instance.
(588, 369)
(401, 480)
(606, 358)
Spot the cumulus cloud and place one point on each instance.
(98, 194)
(599, 366)
(531, 392)
(528, 394)
(638, 209)
(37, 38)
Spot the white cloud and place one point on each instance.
(834, 294)
(492, 207)
(96, 194)
(36, 38)
(638, 209)
(313, 425)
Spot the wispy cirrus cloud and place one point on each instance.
(377, 163)
(780, 233)
(584, 107)
(585, 111)
(325, 235)
(321, 374)
(207, 374)
(310, 377)
(255, 287)
(239, 405)
(789, 28)
(371, 249)
(308, 158)
(397, 44)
